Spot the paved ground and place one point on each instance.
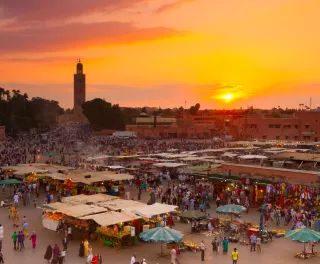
(280, 251)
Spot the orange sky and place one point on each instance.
(164, 52)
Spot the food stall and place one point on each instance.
(112, 231)
(70, 214)
(88, 199)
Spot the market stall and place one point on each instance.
(88, 199)
(112, 230)
(304, 235)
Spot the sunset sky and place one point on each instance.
(220, 53)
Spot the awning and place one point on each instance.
(111, 218)
(169, 165)
(152, 210)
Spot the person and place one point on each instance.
(48, 254)
(33, 239)
(225, 244)
(14, 239)
(235, 256)
(259, 244)
(100, 259)
(215, 245)
(60, 258)
(1, 258)
(81, 249)
(55, 251)
(69, 233)
(65, 243)
(86, 248)
(173, 254)
(95, 259)
(63, 255)
(1, 233)
(144, 261)
(25, 229)
(133, 259)
(253, 240)
(202, 248)
(89, 259)
(20, 240)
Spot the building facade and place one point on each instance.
(301, 126)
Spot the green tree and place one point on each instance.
(194, 109)
(103, 115)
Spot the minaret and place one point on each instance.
(79, 92)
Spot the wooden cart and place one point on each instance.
(115, 240)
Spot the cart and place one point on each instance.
(115, 240)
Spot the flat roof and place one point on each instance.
(297, 156)
(273, 168)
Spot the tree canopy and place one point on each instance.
(18, 113)
(104, 115)
(194, 109)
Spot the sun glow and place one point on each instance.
(227, 97)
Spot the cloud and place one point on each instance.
(174, 5)
(28, 11)
(79, 35)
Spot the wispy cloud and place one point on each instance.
(170, 6)
(22, 11)
(79, 35)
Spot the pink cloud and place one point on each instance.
(171, 6)
(43, 10)
(79, 35)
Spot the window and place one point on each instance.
(277, 137)
(264, 137)
(253, 126)
(306, 137)
(296, 126)
(286, 126)
(274, 126)
(296, 138)
(307, 126)
(286, 137)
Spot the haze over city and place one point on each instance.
(223, 54)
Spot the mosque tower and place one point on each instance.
(79, 92)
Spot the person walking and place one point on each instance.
(253, 240)
(14, 239)
(225, 244)
(65, 243)
(259, 244)
(1, 233)
(33, 239)
(202, 248)
(1, 258)
(215, 245)
(48, 254)
(173, 254)
(235, 256)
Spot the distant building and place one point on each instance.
(2, 132)
(301, 126)
(79, 97)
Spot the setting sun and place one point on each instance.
(227, 97)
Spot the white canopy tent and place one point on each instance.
(111, 218)
(121, 204)
(78, 210)
(169, 165)
(247, 157)
(88, 199)
(229, 155)
(152, 210)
